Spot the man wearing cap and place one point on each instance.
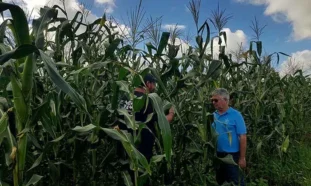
(147, 134)
(147, 138)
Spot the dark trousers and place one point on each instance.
(229, 173)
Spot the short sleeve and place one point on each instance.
(240, 124)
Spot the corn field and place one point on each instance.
(60, 100)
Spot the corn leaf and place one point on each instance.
(115, 134)
(163, 42)
(285, 144)
(213, 67)
(129, 119)
(19, 103)
(3, 123)
(59, 138)
(86, 128)
(36, 163)
(124, 86)
(40, 24)
(34, 180)
(163, 124)
(20, 23)
(127, 179)
(19, 52)
(2, 30)
(228, 160)
(60, 82)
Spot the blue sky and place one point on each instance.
(288, 22)
(277, 37)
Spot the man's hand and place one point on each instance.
(242, 162)
(116, 127)
(170, 115)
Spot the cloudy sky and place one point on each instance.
(288, 22)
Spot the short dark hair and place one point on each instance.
(150, 78)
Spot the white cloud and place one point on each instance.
(300, 60)
(111, 2)
(235, 40)
(110, 5)
(72, 6)
(295, 12)
(173, 26)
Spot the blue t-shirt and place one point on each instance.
(229, 126)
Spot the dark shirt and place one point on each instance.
(147, 134)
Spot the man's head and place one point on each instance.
(150, 82)
(220, 99)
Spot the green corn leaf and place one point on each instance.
(4, 48)
(27, 78)
(19, 103)
(36, 163)
(40, 24)
(74, 20)
(225, 60)
(259, 47)
(2, 30)
(142, 159)
(3, 123)
(61, 9)
(285, 144)
(157, 158)
(163, 124)
(213, 67)
(59, 138)
(138, 103)
(150, 47)
(34, 180)
(225, 36)
(199, 41)
(251, 47)
(230, 138)
(115, 134)
(284, 54)
(47, 124)
(19, 52)
(228, 160)
(86, 128)
(159, 80)
(34, 140)
(163, 42)
(129, 119)
(127, 179)
(61, 83)
(207, 39)
(124, 86)
(20, 23)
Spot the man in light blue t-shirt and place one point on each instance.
(231, 130)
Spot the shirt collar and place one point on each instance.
(227, 112)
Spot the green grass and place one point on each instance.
(305, 157)
(293, 168)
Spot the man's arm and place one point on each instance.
(170, 115)
(243, 142)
